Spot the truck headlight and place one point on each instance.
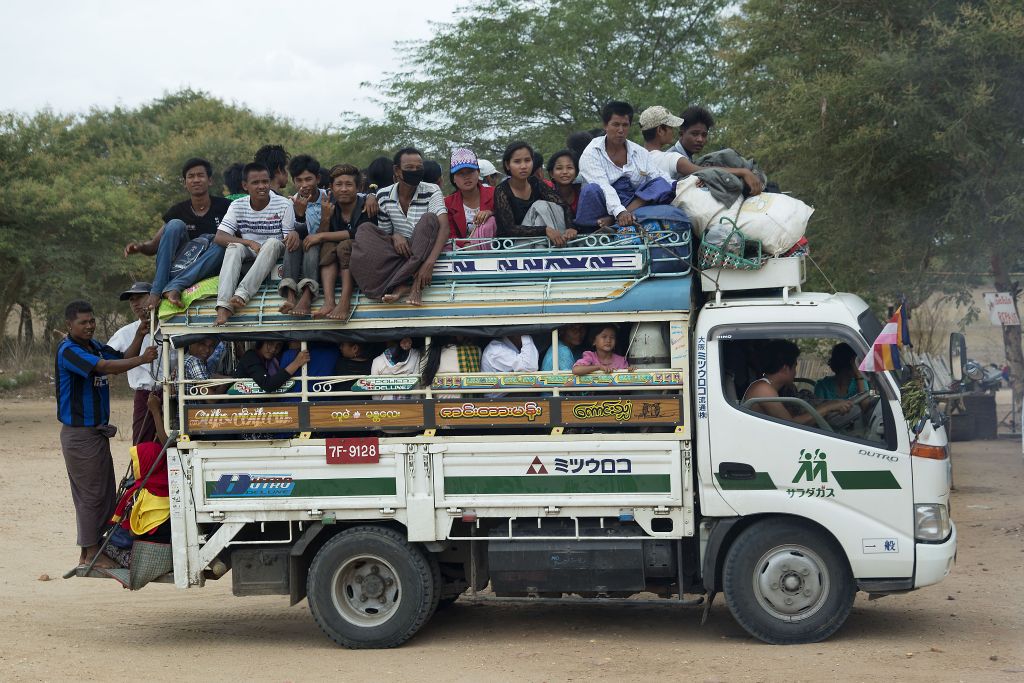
(931, 522)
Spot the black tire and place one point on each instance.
(787, 582)
(369, 587)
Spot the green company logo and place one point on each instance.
(812, 466)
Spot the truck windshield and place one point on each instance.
(870, 326)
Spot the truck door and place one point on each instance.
(851, 473)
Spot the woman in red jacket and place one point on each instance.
(471, 206)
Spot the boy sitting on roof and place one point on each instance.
(256, 228)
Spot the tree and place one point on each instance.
(900, 122)
(542, 69)
(75, 189)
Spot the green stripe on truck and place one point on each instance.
(865, 479)
(325, 488)
(548, 483)
(762, 481)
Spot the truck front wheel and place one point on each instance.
(370, 588)
(787, 583)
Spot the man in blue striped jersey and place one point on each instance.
(80, 375)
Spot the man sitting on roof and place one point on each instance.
(620, 174)
(255, 228)
(396, 257)
(198, 217)
(658, 127)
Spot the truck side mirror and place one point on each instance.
(957, 356)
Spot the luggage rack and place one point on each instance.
(506, 275)
(785, 272)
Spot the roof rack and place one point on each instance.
(787, 273)
(507, 276)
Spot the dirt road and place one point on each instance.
(970, 627)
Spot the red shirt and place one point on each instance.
(457, 212)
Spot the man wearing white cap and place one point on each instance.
(659, 126)
(488, 173)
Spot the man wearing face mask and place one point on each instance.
(395, 258)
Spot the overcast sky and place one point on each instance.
(300, 60)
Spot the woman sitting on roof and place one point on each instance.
(563, 168)
(526, 207)
(471, 206)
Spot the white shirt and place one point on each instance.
(145, 376)
(666, 162)
(501, 355)
(276, 219)
(598, 168)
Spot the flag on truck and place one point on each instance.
(885, 351)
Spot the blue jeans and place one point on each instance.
(175, 237)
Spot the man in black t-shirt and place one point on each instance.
(188, 227)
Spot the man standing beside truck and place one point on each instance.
(83, 408)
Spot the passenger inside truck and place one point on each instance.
(757, 370)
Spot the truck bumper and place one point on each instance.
(935, 560)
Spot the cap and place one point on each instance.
(486, 168)
(652, 117)
(463, 158)
(136, 288)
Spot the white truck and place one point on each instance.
(548, 485)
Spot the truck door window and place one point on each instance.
(809, 381)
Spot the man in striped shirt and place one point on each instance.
(396, 257)
(256, 228)
(80, 373)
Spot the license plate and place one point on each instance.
(353, 451)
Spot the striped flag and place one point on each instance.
(885, 351)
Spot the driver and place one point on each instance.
(779, 365)
(847, 380)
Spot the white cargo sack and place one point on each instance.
(777, 221)
(697, 202)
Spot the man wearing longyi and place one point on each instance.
(80, 374)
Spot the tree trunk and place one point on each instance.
(1011, 333)
(26, 333)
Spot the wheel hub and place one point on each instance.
(792, 582)
(366, 591)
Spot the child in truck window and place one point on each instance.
(603, 358)
(263, 365)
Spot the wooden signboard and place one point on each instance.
(472, 413)
(252, 417)
(633, 411)
(366, 415)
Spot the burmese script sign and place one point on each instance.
(484, 413)
(249, 418)
(632, 411)
(369, 415)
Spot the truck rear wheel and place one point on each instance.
(788, 583)
(370, 588)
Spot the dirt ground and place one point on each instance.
(967, 628)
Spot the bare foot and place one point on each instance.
(302, 308)
(236, 303)
(102, 562)
(286, 307)
(396, 295)
(340, 312)
(152, 302)
(324, 311)
(174, 296)
(415, 298)
(223, 315)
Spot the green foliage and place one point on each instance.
(540, 70)
(75, 189)
(899, 121)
